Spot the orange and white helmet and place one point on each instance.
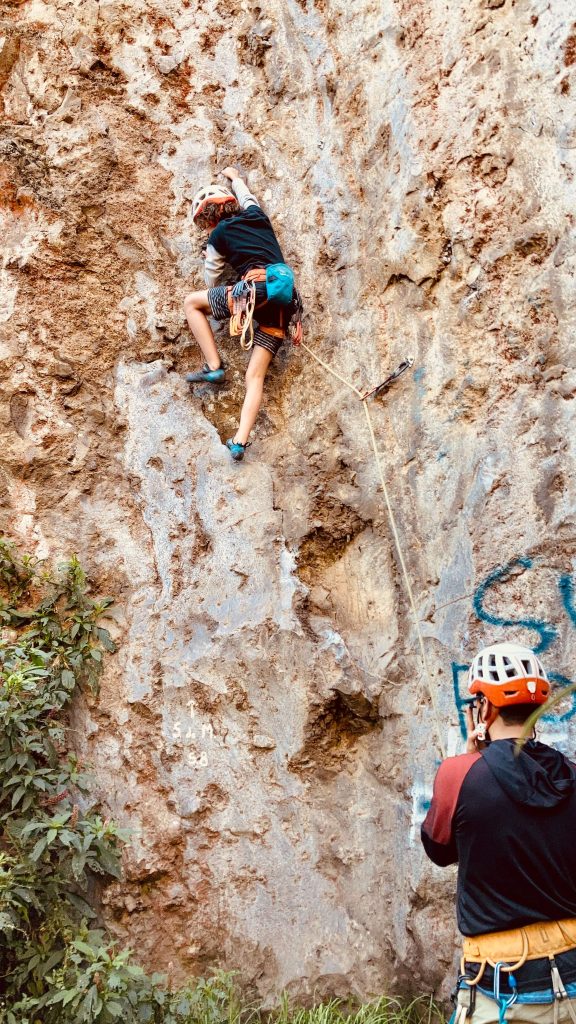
(508, 674)
(210, 194)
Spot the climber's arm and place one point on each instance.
(214, 264)
(240, 188)
(438, 832)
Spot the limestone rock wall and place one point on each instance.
(266, 728)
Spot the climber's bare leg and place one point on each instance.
(196, 306)
(256, 370)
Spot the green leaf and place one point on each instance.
(68, 679)
(83, 947)
(27, 801)
(59, 997)
(38, 849)
(80, 904)
(105, 639)
(108, 860)
(51, 962)
(78, 864)
(31, 826)
(135, 971)
(96, 654)
(89, 1004)
(61, 819)
(17, 794)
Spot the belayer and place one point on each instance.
(263, 305)
(506, 814)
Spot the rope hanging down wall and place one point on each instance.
(392, 520)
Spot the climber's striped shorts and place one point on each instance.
(218, 299)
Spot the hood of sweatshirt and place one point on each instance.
(537, 776)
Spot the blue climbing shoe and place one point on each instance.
(206, 375)
(237, 450)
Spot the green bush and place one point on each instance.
(56, 966)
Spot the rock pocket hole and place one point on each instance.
(332, 732)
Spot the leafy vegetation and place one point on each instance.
(57, 966)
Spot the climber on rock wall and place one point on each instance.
(241, 236)
(507, 816)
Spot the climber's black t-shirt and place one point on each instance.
(247, 240)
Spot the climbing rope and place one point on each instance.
(243, 306)
(392, 520)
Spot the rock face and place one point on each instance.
(266, 728)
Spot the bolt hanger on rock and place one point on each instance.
(404, 365)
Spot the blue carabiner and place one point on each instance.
(504, 1002)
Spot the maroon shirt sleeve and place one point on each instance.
(437, 831)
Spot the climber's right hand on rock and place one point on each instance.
(231, 172)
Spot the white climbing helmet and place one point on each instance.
(210, 194)
(508, 674)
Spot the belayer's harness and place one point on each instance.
(507, 952)
(280, 289)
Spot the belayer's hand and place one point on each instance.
(476, 734)
(231, 172)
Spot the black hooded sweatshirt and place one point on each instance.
(509, 822)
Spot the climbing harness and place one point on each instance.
(392, 520)
(517, 945)
(279, 280)
(507, 952)
(404, 365)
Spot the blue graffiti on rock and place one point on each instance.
(545, 631)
